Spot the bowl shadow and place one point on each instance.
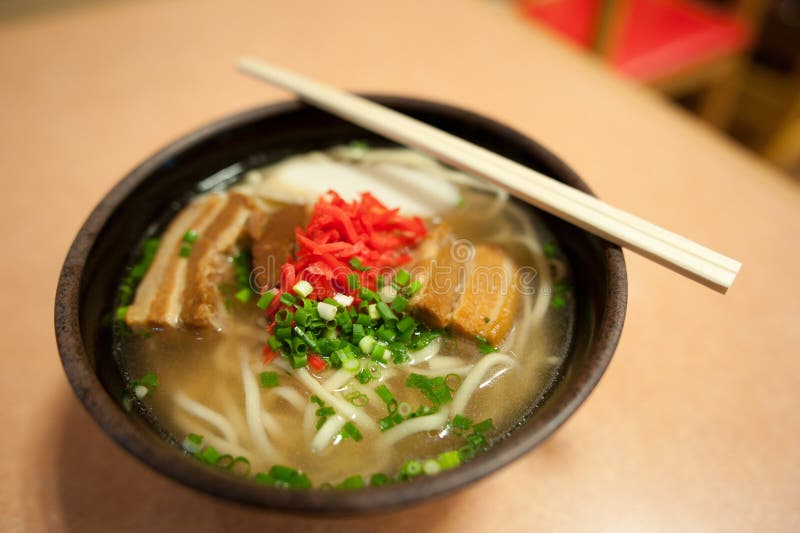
(97, 486)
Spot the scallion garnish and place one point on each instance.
(448, 460)
(378, 480)
(353, 482)
(190, 236)
(353, 282)
(323, 412)
(399, 303)
(412, 289)
(350, 431)
(269, 379)
(402, 278)
(243, 295)
(303, 288)
(326, 311)
(435, 389)
(461, 422)
(356, 263)
(483, 345)
(266, 299)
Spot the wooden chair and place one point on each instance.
(677, 46)
(783, 146)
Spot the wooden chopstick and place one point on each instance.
(665, 247)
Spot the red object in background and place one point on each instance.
(650, 39)
(576, 20)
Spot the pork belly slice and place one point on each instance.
(183, 290)
(490, 298)
(273, 241)
(208, 262)
(470, 290)
(441, 268)
(158, 300)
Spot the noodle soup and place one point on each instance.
(314, 338)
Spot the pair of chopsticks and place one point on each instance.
(662, 246)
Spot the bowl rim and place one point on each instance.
(144, 445)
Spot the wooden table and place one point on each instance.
(694, 426)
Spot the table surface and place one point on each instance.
(694, 425)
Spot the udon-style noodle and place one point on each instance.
(209, 380)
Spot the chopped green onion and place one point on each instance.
(301, 317)
(367, 295)
(431, 467)
(483, 345)
(388, 398)
(350, 431)
(299, 360)
(193, 443)
(243, 295)
(373, 312)
(386, 334)
(355, 262)
(209, 455)
(399, 303)
(274, 343)
(351, 365)
(238, 471)
(405, 409)
(406, 323)
(265, 299)
(121, 312)
(467, 452)
(190, 236)
(353, 282)
(411, 468)
(388, 293)
(353, 482)
(434, 389)
(380, 353)
(415, 286)
(461, 422)
(453, 382)
(269, 379)
(287, 299)
(149, 380)
(549, 250)
(367, 344)
(384, 311)
(378, 480)
(185, 251)
(343, 299)
(285, 477)
(448, 460)
(402, 278)
(484, 426)
(358, 333)
(284, 317)
(363, 377)
(326, 311)
(558, 301)
(356, 398)
(303, 288)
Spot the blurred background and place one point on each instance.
(734, 63)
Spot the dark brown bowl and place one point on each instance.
(98, 256)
